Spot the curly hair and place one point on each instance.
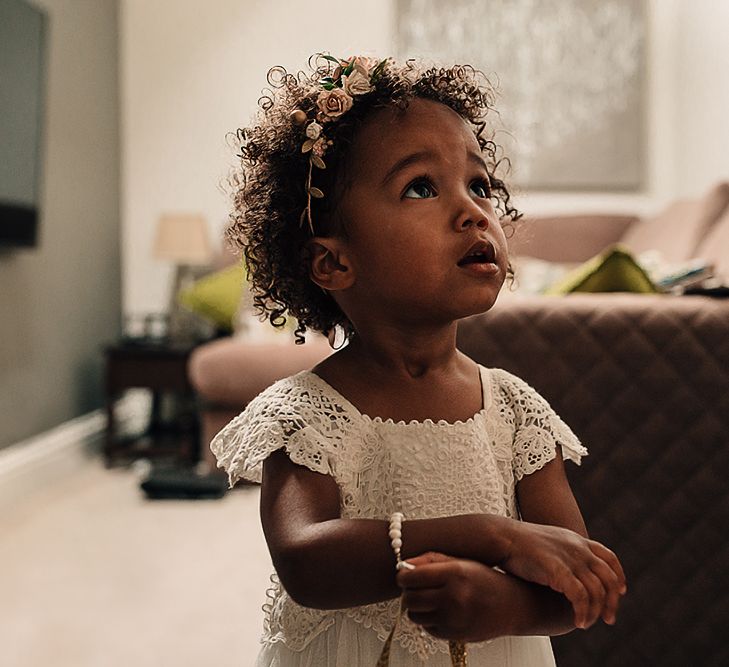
(270, 185)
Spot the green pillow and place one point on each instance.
(613, 270)
(217, 297)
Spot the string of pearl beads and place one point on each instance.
(395, 533)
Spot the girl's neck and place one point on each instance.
(404, 353)
(406, 375)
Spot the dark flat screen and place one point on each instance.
(22, 37)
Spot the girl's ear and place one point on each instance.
(329, 266)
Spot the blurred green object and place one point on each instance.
(217, 297)
(613, 270)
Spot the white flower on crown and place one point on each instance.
(357, 82)
(313, 130)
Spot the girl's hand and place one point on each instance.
(456, 599)
(585, 571)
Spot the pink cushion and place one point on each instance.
(678, 230)
(715, 248)
(230, 372)
(567, 238)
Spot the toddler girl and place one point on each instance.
(368, 205)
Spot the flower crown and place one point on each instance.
(335, 96)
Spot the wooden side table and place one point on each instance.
(161, 368)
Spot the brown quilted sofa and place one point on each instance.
(644, 381)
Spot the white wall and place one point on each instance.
(192, 70)
(702, 94)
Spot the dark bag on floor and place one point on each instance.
(183, 484)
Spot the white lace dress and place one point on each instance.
(423, 469)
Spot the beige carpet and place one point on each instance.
(94, 575)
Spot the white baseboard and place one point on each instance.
(33, 464)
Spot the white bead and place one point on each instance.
(395, 533)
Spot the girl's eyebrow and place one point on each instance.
(422, 156)
(406, 161)
(476, 157)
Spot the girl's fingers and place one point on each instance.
(425, 575)
(612, 587)
(429, 557)
(421, 600)
(602, 552)
(597, 594)
(575, 591)
(423, 606)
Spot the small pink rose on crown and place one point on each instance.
(319, 148)
(333, 103)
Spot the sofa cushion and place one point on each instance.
(230, 372)
(677, 231)
(715, 248)
(567, 238)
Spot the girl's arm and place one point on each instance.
(328, 562)
(545, 498)
(460, 599)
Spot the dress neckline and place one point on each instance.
(486, 399)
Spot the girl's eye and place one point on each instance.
(481, 189)
(420, 189)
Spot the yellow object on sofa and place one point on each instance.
(613, 270)
(217, 297)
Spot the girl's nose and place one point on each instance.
(471, 215)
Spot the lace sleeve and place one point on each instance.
(538, 430)
(270, 422)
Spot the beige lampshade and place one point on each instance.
(183, 239)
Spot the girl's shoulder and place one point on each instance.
(299, 414)
(518, 399)
(537, 429)
(508, 387)
(303, 395)
(301, 386)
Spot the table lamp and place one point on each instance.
(183, 239)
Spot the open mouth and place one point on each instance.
(482, 252)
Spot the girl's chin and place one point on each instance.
(478, 308)
(485, 304)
